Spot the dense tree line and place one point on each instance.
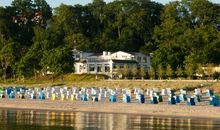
(187, 38)
(35, 39)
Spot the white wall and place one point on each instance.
(121, 56)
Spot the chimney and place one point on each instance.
(109, 53)
(104, 53)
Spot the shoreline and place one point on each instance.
(160, 110)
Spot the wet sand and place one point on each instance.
(201, 110)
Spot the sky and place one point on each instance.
(55, 3)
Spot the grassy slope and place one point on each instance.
(93, 80)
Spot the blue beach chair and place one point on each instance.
(191, 101)
(177, 99)
(215, 101)
(171, 101)
(112, 98)
(42, 96)
(83, 97)
(141, 98)
(153, 100)
(183, 97)
(126, 98)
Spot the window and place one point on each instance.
(144, 59)
(139, 59)
(80, 68)
(107, 68)
(91, 67)
(99, 68)
(114, 66)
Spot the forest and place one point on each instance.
(181, 36)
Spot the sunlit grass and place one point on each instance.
(98, 81)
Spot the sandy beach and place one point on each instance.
(202, 110)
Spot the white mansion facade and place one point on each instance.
(106, 62)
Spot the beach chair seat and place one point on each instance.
(21, 96)
(177, 99)
(153, 100)
(141, 98)
(83, 97)
(171, 101)
(159, 98)
(183, 97)
(11, 96)
(191, 101)
(126, 98)
(33, 96)
(2, 96)
(53, 97)
(112, 98)
(215, 101)
(42, 96)
(62, 97)
(72, 97)
(94, 98)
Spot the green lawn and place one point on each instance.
(100, 81)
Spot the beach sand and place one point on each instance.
(201, 110)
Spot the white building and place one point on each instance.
(105, 63)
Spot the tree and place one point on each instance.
(189, 70)
(160, 71)
(134, 71)
(208, 15)
(7, 57)
(169, 71)
(58, 61)
(29, 12)
(126, 71)
(25, 15)
(77, 41)
(151, 72)
(179, 72)
(186, 34)
(142, 72)
(29, 63)
(130, 23)
(199, 70)
(118, 71)
(209, 69)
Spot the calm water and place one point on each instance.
(44, 120)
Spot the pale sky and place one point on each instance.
(55, 3)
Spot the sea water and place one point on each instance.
(12, 119)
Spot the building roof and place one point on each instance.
(96, 54)
(125, 61)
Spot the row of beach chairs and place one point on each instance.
(113, 95)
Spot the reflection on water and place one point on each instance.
(41, 120)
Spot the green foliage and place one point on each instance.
(142, 72)
(151, 72)
(189, 70)
(134, 70)
(118, 70)
(7, 57)
(160, 71)
(187, 34)
(57, 61)
(126, 71)
(179, 71)
(181, 33)
(169, 71)
(199, 70)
